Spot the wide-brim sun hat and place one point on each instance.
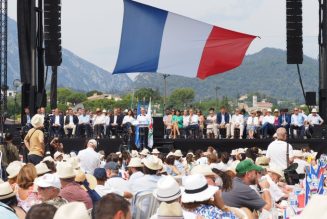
(167, 189)
(196, 189)
(72, 210)
(171, 210)
(262, 161)
(314, 110)
(135, 162)
(144, 152)
(14, 168)
(277, 171)
(152, 162)
(178, 153)
(37, 121)
(6, 191)
(202, 169)
(65, 170)
(57, 154)
(42, 168)
(48, 180)
(155, 151)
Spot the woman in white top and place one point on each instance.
(128, 120)
(252, 124)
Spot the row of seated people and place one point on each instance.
(257, 124)
(84, 124)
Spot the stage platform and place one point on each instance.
(165, 145)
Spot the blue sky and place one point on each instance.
(91, 28)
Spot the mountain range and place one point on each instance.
(265, 72)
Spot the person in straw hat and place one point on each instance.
(34, 140)
(13, 170)
(71, 190)
(299, 159)
(273, 177)
(48, 187)
(72, 210)
(8, 203)
(314, 120)
(200, 198)
(135, 169)
(152, 165)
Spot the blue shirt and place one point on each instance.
(297, 119)
(210, 211)
(6, 213)
(84, 119)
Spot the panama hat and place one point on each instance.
(178, 153)
(172, 210)
(233, 153)
(98, 110)
(104, 111)
(219, 166)
(42, 168)
(316, 208)
(6, 191)
(262, 161)
(190, 153)
(48, 180)
(65, 170)
(314, 110)
(152, 162)
(277, 171)
(74, 161)
(37, 120)
(81, 177)
(276, 111)
(144, 152)
(196, 189)
(72, 210)
(170, 154)
(167, 189)
(134, 153)
(57, 154)
(202, 169)
(14, 168)
(269, 110)
(135, 162)
(155, 151)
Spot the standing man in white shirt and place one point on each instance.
(268, 124)
(277, 150)
(237, 122)
(89, 159)
(314, 120)
(143, 123)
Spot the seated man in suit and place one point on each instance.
(284, 120)
(115, 124)
(71, 122)
(56, 124)
(26, 120)
(223, 121)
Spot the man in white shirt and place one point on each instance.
(89, 159)
(277, 150)
(98, 123)
(297, 123)
(143, 122)
(237, 122)
(268, 124)
(193, 124)
(83, 124)
(314, 120)
(212, 129)
(299, 159)
(114, 181)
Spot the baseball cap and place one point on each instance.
(246, 166)
(111, 166)
(48, 180)
(100, 174)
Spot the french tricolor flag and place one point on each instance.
(155, 40)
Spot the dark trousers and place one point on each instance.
(56, 131)
(267, 128)
(143, 132)
(98, 130)
(34, 159)
(84, 130)
(194, 129)
(299, 131)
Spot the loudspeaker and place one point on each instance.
(158, 127)
(310, 98)
(294, 31)
(52, 32)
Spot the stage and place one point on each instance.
(165, 145)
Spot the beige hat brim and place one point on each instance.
(9, 195)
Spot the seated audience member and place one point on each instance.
(242, 195)
(56, 124)
(211, 122)
(177, 123)
(185, 122)
(112, 206)
(99, 121)
(193, 124)
(48, 190)
(277, 150)
(71, 190)
(268, 124)
(171, 169)
(273, 177)
(297, 123)
(135, 168)
(237, 122)
(26, 195)
(41, 211)
(88, 158)
(116, 121)
(128, 121)
(167, 120)
(72, 210)
(252, 124)
(84, 124)
(9, 204)
(114, 181)
(201, 123)
(197, 198)
(302, 164)
(284, 120)
(223, 121)
(276, 119)
(71, 121)
(314, 120)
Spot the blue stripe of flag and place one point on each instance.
(141, 38)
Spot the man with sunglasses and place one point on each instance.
(297, 123)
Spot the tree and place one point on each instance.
(181, 97)
(90, 93)
(76, 98)
(63, 94)
(146, 93)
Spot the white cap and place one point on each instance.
(48, 180)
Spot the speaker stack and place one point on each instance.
(294, 31)
(52, 32)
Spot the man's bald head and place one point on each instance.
(281, 134)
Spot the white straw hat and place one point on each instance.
(135, 162)
(144, 152)
(42, 168)
(155, 151)
(170, 154)
(152, 162)
(178, 153)
(37, 120)
(202, 169)
(14, 168)
(48, 180)
(6, 191)
(72, 210)
(58, 154)
(196, 189)
(172, 210)
(276, 170)
(65, 170)
(167, 189)
(314, 110)
(134, 153)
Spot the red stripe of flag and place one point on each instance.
(224, 50)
